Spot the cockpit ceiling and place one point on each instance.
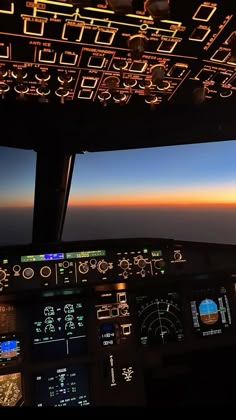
(79, 68)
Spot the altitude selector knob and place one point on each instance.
(102, 266)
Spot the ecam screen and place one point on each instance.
(59, 329)
(61, 387)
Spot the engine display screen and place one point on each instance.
(9, 348)
(59, 330)
(160, 319)
(62, 387)
(210, 311)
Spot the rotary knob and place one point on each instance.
(158, 74)
(137, 45)
(19, 73)
(121, 6)
(2, 275)
(3, 72)
(83, 268)
(158, 9)
(43, 90)
(124, 310)
(42, 76)
(124, 264)
(159, 264)
(65, 78)
(177, 256)
(102, 266)
(142, 263)
(61, 92)
(28, 273)
(45, 271)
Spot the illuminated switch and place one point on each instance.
(231, 40)
(232, 60)
(73, 31)
(204, 12)
(138, 66)
(177, 70)
(96, 62)
(104, 37)
(126, 329)
(34, 26)
(232, 83)
(115, 312)
(69, 58)
(103, 313)
(47, 56)
(221, 55)
(205, 75)
(7, 7)
(167, 46)
(4, 51)
(121, 297)
(89, 82)
(200, 33)
(221, 78)
(85, 94)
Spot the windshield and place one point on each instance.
(17, 181)
(187, 192)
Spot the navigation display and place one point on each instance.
(210, 311)
(160, 319)
(62, 387)
(59, 330)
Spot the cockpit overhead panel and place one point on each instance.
(117, 52)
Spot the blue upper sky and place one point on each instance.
(175, 169)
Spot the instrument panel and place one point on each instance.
(117, 52)
(162, 308)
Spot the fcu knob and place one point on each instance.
(28, 273)
(159, 264)
(45, 271)
(102, 266)
(2, 275)
(83, 268)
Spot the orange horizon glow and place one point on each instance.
(197, 197)
(124, 204)
(150, 205)
(217, 196)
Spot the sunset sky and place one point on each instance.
(198, 174)
(177, 175)
(187, 192)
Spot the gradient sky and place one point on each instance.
(189, 174)
(17, 177)
(198, 176)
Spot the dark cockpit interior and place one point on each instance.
(135, 321)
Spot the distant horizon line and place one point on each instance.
(134, 205)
